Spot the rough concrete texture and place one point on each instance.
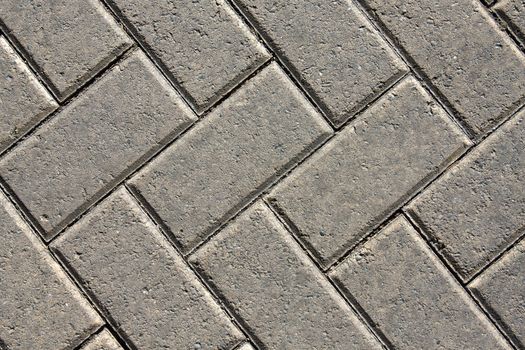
(513, 12)
(502, 289)
(343, 66)
(23, 100)
(262, 174)
(94, 141)
(102, 341)
(40, 308)
(477, 209)
(360, 177)
(241, 147)
(277, 291)
(68, 41)
(422, 297)
(140, 280)
(203, 44)
(464, 54)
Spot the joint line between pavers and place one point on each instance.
(319, 105)
(506, 25)
(57, 260)
(519, 237)
(33, 67)
(459, 281)
(153, 217)
(385, 33)
(358, 311)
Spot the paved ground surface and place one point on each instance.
(262, 174)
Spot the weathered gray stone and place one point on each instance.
(40, 307)
(502, 289)
(368, 170)
(332, 49)
(69, 40)
(93, 142)
(23, 101)
(271, 284)
(477, 209)
(459, 47)
(513, 11)
(102, 341)
(238, 150)
(141, 281)
(411, 297)
(203, 44)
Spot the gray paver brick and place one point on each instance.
(502, 288)
(477, 209)
(331, 47)
(243, 145)
(69, 40)
(360, 176)
(513, 11)
(40, 307)
(140, 280)
(203, 44)
(95, 140)
(275, 289)
(459, 47)
(23, 101)
(411, 296)
(102, 341)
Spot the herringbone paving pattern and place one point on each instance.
(262, 174)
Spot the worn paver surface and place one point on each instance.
(262, 174)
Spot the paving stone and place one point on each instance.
(411, 297)
(23, 101)
(513, 11)
(477, 208)
(246, 346)
(361, 176)
(242, 146)
(459, 48)
(502, 289)
(69, 40)
(203, 44)
(93, 142)
(135, 275)
(40, 306)
(270, 283)
(102, 341)
(331, 47)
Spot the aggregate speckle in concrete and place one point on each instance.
(262, 174)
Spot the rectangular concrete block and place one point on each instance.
(513, 12)
(102, 341)
(476, 210)
(270, 283)
(459, 47)
(141, 282)
(411, 297)
(240, 148)
(23, 100)
(69, 40)
(501, 288)
(40, 308)
(331, 48)
(204, 46)
(94, 142)
(355, 181)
